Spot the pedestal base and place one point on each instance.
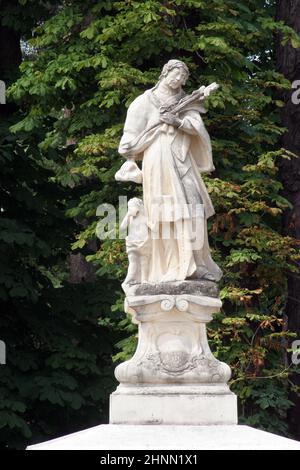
(185, 405)
(173, 377)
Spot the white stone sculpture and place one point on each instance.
(137, 242)
(171, 284)
(164, 129)
(129, 172)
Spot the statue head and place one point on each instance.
(175, 73)
(135, 206)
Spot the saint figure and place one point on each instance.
(164, 130)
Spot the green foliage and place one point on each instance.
(59, 370)
(91, 60)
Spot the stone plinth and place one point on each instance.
(201, 405)
(173, 377)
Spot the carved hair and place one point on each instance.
(135, 202)
(173, 64)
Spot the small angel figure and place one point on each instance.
(137, 242)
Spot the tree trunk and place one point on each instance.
(288, 63)
(10, 51)
(10, 59)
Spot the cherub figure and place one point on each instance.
(137, 242)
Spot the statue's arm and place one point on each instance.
(135, 124)
(191, 122)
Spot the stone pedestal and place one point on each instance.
(195, 406)
(173, 378)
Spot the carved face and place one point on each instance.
(176, 78)
(134, 206)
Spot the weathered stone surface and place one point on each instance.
(194, 406)
(172, 347)
(173, 377)
(201, 287)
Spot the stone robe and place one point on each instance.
(176, 201)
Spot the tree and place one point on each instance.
(58, 373)
(288, 63)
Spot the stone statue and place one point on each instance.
(137, 242)
(164, 129)
(171, 284)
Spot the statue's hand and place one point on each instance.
(170, 119)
